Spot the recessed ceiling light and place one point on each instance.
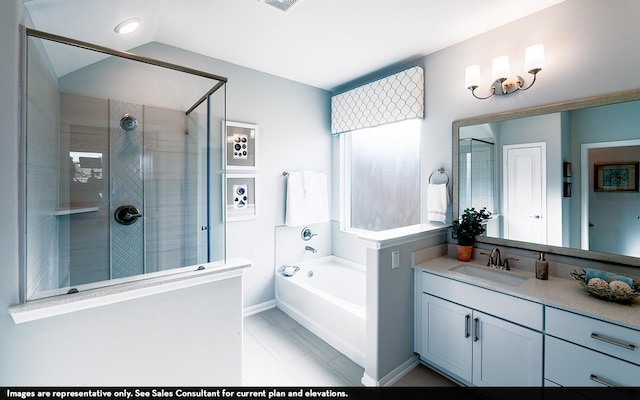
(127, 26)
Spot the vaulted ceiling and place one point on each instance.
(323, 43)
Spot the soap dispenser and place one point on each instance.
(542, 268)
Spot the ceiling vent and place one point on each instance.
(283, 5)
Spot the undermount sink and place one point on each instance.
(490, 274)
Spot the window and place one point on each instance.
(381, 176)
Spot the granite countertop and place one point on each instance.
(556, 292)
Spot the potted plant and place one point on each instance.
(466, 228)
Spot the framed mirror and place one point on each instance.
(537, 170)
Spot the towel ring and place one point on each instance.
(442, 171)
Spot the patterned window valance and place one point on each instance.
(391, 99)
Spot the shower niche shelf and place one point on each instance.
(75, 210)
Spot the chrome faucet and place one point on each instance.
(311, 249)
(496, 260)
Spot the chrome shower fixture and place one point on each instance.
(306, 234)
(128, 123)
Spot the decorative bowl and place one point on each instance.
(617, 296)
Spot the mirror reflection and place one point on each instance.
(563, 176)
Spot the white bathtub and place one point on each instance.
(330, 303)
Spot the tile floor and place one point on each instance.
(280, 352)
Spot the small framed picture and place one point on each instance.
(241, 146)
(566, 169)
(616, 177)
(240, 197)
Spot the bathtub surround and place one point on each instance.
(330, 240)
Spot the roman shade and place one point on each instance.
(395, 98)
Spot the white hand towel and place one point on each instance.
(437, 201)
(307, 198)
(309, 183)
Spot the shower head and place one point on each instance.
(128, 123)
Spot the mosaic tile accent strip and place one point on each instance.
(391, 99)
(127, 187)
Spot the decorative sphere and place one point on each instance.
(598, 283)
(620, 286)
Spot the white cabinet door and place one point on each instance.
(505, 354)
(446, 336)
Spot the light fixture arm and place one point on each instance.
(506, 86)
(473, 92)
(504, 83)
(533, 72)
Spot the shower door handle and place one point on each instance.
(126, 214)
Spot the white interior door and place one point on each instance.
(524, 191)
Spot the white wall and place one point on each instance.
(587, 48)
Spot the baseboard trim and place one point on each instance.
(258, 308)
(392, 376)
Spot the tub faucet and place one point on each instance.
(311, 249)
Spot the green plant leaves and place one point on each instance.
(469, 225)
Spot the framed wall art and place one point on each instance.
(616, 177)
(241, 146)
(240, 197)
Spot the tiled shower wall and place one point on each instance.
(329, 241)
(172, 218)
(83, 238)
(42, 202)
(154, 168)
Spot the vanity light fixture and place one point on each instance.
(127, 26)
(504, 82)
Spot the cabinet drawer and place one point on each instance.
(514, 309)
(570, 365)
(611, 339)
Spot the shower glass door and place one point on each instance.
(123, 176)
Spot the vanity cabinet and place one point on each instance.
(479, 336)
(584, 351)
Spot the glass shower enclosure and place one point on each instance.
(123, 166)
(477, 184)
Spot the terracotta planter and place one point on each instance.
(464, 253)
